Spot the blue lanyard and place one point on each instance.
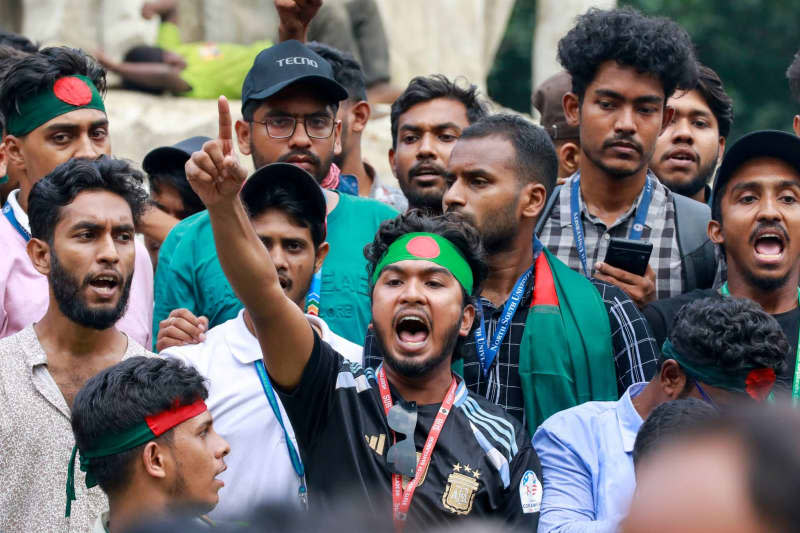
(487, 352)
(577, 225)
(9, 213)
(313, 294)
(297, 463)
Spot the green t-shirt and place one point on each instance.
(189, 274)
(211, 69)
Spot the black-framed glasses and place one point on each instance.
(402, 455)
(283, 126)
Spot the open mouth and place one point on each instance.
(426, 175)
(285, 282)
(412, 330)
(105, 284)
(769, 245)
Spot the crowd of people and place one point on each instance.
(585, 325)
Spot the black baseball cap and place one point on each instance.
(286, 63)
(764, 143)
(169, 157)
(296, 182)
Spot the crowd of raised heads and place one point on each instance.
(588, 324)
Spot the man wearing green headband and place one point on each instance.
(408, 440)
(722, 350)
(52, 105)
(144, 434)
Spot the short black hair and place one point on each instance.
(536, 158)
(651, 45)
(731, 334)
(119, 398)
(39, 71)
(59, 188)
(793, 74)
(18, 42)
(142, 54)
(669, 420)
(8, 56)
(710, 87)
(346, 70)
(175, 176)
(426, 88)
(285, 201)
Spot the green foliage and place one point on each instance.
(750, 43)
(509, 80)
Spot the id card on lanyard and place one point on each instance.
(796, 378)
(577, 224)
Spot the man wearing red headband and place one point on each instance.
(144, 434)
(408, 441)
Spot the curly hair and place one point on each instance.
(40, 70)
(657, 46)
(119, 398)
(59, 188)
(730, 333)
(426, 88)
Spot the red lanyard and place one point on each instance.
(401, 499)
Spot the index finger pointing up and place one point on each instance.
(225, 127)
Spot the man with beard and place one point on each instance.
(624, 67)
(53, 109)
(689, 148)
(427, 120)
(545, 341)
(289, 105)
(82, 218)
(354, 112)
(408, 440)
(144, 434)
(756, 222)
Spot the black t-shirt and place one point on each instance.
(661, 317)
(483, 463)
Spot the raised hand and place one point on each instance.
(295, 16)
(214, 172)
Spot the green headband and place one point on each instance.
(67, 94)
(112, 444)
(427, 247)
(756, 382)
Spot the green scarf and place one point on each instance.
(566, 355)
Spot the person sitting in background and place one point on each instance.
(547, 99)
(145, 436)
(722, 350)
(169, 190)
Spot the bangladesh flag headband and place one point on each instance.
(427, 247)
(152, 427)
(67, 94)
(756, 382)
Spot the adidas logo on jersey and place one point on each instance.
(376, 442)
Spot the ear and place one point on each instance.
(322, 253)
(467, 318)
(154, 460)
(796, 125)
(39, 253)
(666, 118)
(672, 379)
(244, 132)
(572, 108)
(391, 162)
(533, 196)
(3, 159)
(715, 232)
(359, 116)
(13, 149)
(569, 156)
(337, 139)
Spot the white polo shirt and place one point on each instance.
(259, 468)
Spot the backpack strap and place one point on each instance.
(696, 250)
(543, 216)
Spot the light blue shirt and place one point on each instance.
(587, 465)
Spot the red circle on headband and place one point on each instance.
(73, 91)
(424, 247)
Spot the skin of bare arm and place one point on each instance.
(283, 332)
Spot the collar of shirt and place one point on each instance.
(658, 204)
(628, 417)
(19, 214)
(30, 342)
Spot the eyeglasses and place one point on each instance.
(402, 455)
(282, 127)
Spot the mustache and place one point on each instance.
(774, 226)
(304, 153)
(623, 138)
(426, 167)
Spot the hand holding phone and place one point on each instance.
(631, 256)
